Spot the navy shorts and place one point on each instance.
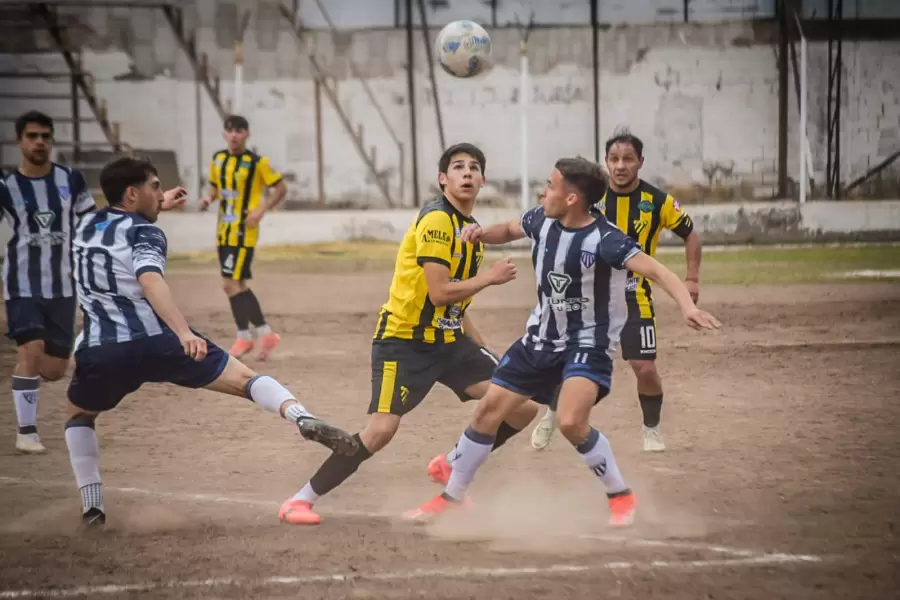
(49, 319)
(106, 374)
(538, 374)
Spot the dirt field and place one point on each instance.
(780, 480)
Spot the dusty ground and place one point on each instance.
(780, 481)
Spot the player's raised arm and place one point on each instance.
(434, 241)
(506, 232)
(621, 252)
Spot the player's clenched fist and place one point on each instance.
(194, 346)
(471, 232)
(700, 319)
(502, 271)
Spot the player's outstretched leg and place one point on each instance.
(441, 466)
(470, 452)
(650, 394)
(576, 399)
(237, 379)
(378, 432)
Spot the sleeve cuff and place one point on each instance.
(147, 269)
(421, 260)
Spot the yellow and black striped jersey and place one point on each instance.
(240, 180)
(642, 215)
(409, 313)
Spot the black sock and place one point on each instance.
(239, 311)
(338, 468)
(254, 310)
(504, 433)
(651, 406)
(555, 402)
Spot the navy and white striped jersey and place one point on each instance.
(112, 249)
(580, 283)
(43, 213)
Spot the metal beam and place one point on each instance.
(852, 30)
(434, 89)
(873, 171)
(411, 93)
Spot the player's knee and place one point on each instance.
(572, 425)
(379, 431)
(645, 370)
(522, 416)
(489, 413)
(232, 287)
(29, 357)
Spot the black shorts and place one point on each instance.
(235, 262)
(540, 374)
(49, 319)
(106, 374)
(404, 371)
(638, 340)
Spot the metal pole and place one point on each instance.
(198, 124)
(76, 119)
(434, 89)
(238, 102)
(523, 94)
(783, 102)
(320, 155)
(411, 92)
(804, 159)
(595, 67)
(839, 75)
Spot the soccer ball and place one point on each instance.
(463, 49)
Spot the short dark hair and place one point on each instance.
(236, 122)
(32, 116)
(122, 173)
(464, 148)
(624, 136)
(586, 176)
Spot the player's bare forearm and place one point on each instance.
(652, 269)
(502, 233)
(158, 294)
(447, 292)
(279, 191)
(693, 254)
(473, 332)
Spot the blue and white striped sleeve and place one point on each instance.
(82, 198)
(148, 249)
(532, 221)
(616, 247)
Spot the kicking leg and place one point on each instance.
(84, 455)
(650, 394)
(336, 469)
(237, 379)
(472, 449)
(577, 397)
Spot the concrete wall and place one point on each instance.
(703, 97)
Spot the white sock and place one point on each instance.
(25, 395)
(306, 495)
(597, 454)
(550, 415)
(471, 451)
(84, 454)
(270, 395)
(263, 330)
(244, 334)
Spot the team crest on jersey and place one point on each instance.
(588, 259)
(601, 206)
(645, 206)
(44, 219)
(639, 226)
(64, 191)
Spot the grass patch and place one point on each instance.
(764, 265)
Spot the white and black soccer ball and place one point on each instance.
(463, 49)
